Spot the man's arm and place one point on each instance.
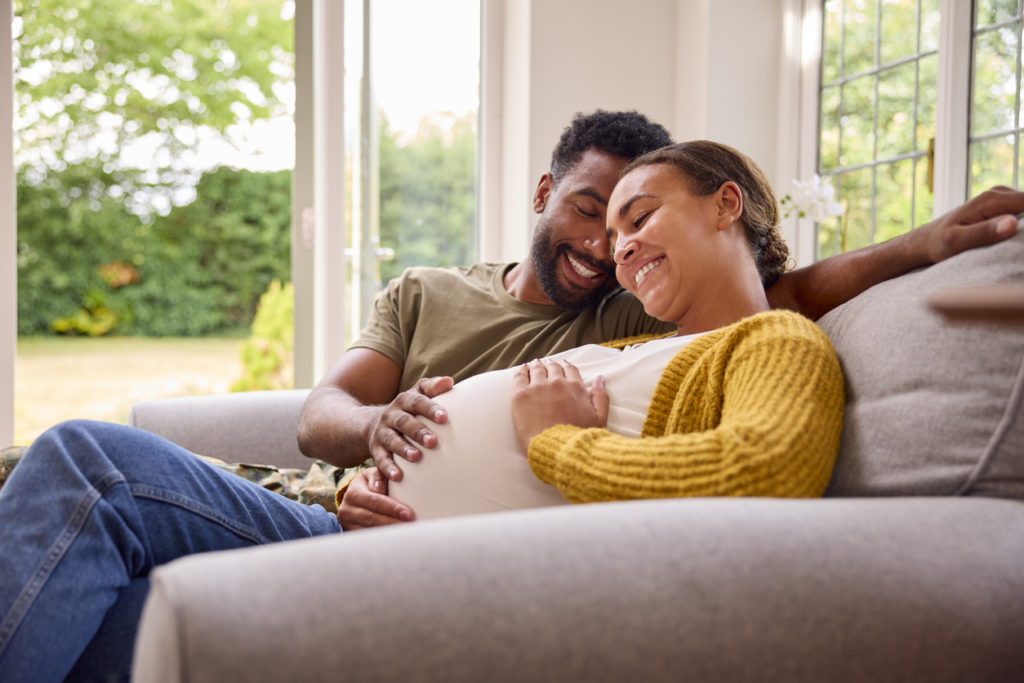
(816, 289)
(356, 412)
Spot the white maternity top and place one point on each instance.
(478, 465)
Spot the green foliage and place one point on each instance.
(198, 270)
(267, 353)
(159, 69)
(428, 196)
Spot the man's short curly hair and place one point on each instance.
(626, 134)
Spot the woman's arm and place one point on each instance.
(774, 431)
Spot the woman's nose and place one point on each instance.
(624, 250)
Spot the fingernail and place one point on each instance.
(405, 516)
(393, 472)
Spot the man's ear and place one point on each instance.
(729, 202)
(544, 188)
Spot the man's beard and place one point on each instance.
(546, 259)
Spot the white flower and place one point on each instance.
(813, 198)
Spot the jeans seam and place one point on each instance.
(23, 603)
(212, 514)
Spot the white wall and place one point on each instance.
(702, 68)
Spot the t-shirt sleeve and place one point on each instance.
(384, 331)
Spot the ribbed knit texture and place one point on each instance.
(752, 409)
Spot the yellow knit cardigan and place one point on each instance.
(752, 409)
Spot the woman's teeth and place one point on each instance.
(642, 273)
(581, 269)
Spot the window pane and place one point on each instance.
(995, 81)
(929, 25)
(829, 145)
(855, 191)
(924, 202)
(991, 163)
(857, 122)
(894, 199)
(411, 139)
(154, 146)
(896, 111)
(831, 69)
(993, 11)
(899, 23)
(926, 97)
(859, 36)
(828, 238)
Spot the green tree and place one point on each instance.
(93, 78)
(428, 196)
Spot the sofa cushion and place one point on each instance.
(933, 407)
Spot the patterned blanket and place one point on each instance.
(315, 485)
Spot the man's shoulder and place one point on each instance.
(428, 275)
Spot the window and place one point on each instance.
(877, 117)
(887, 135)
(995, 125)
(411, 109)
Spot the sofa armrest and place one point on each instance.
(703, 589)
(258, 427)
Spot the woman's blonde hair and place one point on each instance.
(707, 165)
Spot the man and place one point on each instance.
(432, 327)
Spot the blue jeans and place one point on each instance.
(89, 511)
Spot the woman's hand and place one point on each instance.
(366, 503)
(546, 393)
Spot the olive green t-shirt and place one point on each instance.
(461, 321)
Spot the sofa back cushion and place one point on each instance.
(933, 406)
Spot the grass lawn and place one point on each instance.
(58, 378)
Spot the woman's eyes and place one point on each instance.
(640, 218)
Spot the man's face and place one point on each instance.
(570, 249)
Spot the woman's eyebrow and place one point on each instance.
(625, 207)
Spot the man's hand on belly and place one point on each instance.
(398, 426)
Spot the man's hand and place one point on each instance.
(816, 289)
(366, 503)
(397, 425)
(546, 393)
(985, 219)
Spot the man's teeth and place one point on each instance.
(642, 273)
(581, 269)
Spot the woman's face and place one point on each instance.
(670, 245)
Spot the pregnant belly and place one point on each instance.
(477, 466)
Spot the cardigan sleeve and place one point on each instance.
(759, 413)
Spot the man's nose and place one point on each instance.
(598, 247)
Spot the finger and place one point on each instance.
(538, 371)
(372, 507)
(385, 464)
(376, 481)
(980, 234)
(570, 371)
(415, 403)
(414, 430)
(398, 445)
(599, 399)
(521, 377)
(434, 386)
(553, 369)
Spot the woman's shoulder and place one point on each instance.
(768, 333)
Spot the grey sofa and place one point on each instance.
(910, 569)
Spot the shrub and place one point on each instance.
(267, 354)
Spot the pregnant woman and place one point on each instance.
(741, 400)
